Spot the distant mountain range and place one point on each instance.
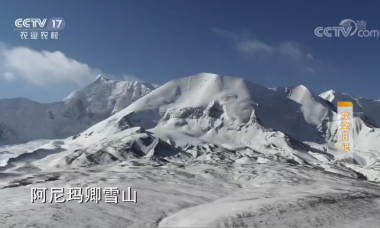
(23, 120)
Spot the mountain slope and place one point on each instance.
(221, 109)
(215, 118)
(369, 109)
(22, 120)
(204, 102)
(255, 157)
(234, 113)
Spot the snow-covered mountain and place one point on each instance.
(369, 109)
(229, 113)
(253, 156)
(22, 120)
(195, 116)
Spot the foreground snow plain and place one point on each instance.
(251, 191)
(202, 151)
(270, 194)
(252, 194)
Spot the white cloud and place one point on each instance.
(225, 33)
(254, 46)
(288, 49)
(43, 68)
(8, 76)
(295, 51)
(123, 77)
(290, 52)
(309, 56)
(248, 46)
(129, 77)
(309, 70)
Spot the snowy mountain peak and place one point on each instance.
(26, 120)
(328, 95)
(330, 91)
(369, 107)
(301, 87)
(101, 78)
(300, 92)
(209, 104)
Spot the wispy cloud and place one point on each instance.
(8, 76)
(124, 77)
(309, 70)
(294, 51)
(291, 51)
(225, 33)
(44, 68)
(254, 46)
(129, 77)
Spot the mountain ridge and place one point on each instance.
(290, 122)
(22, 120)
(209, 118)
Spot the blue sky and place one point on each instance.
(268, 42)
